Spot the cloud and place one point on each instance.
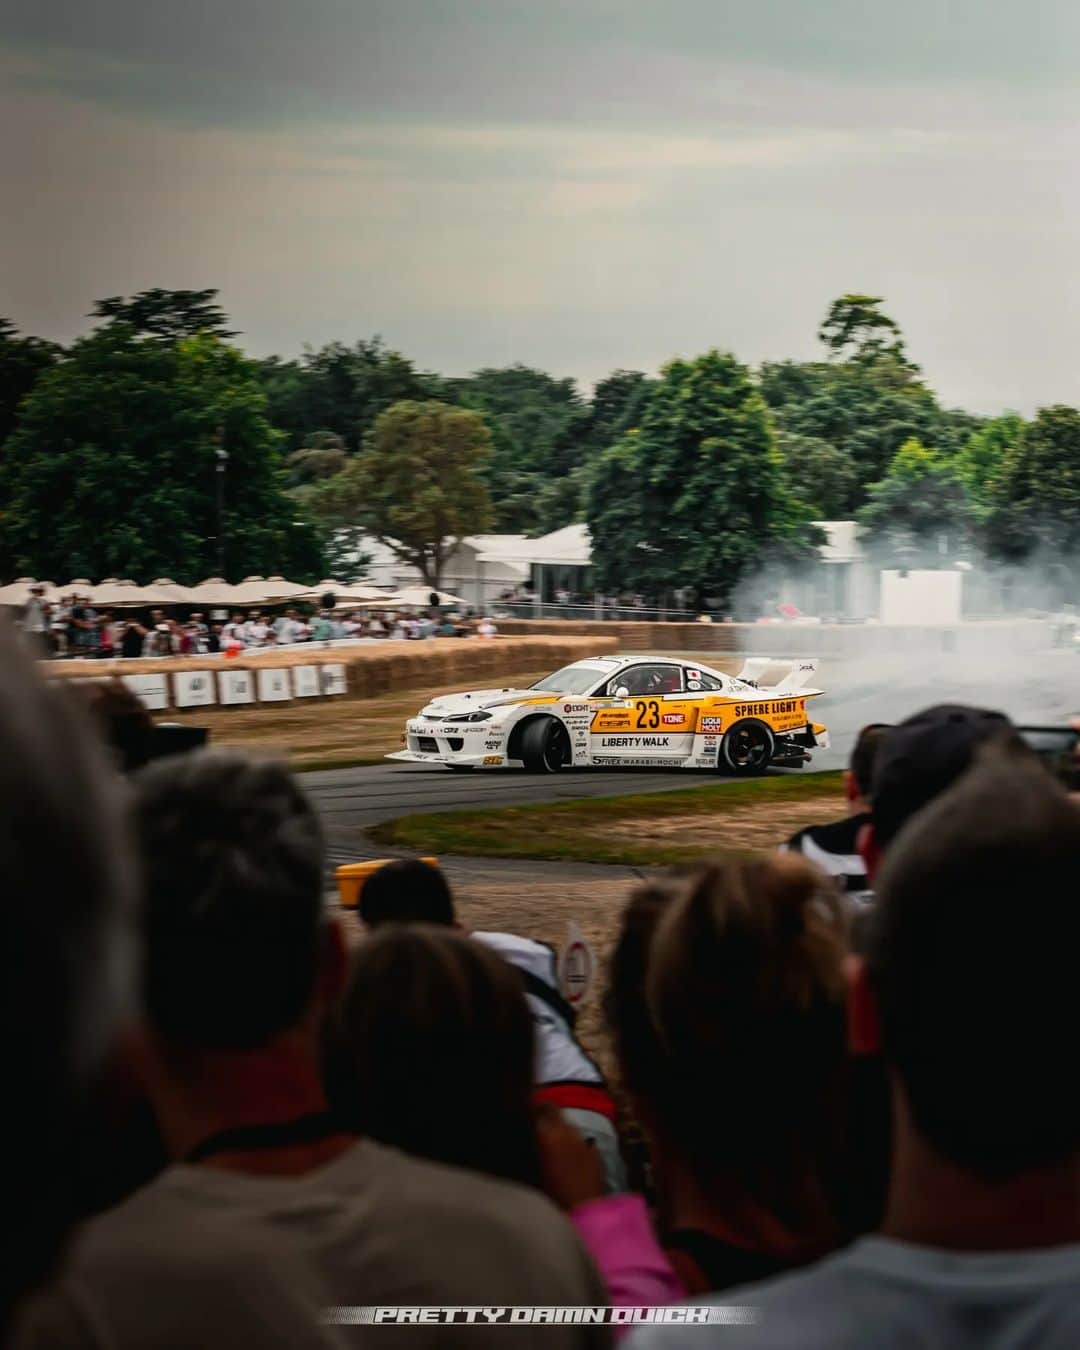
(581, 188)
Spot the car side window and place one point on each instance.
(699, 681)
(646, 680)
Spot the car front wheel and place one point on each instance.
(545, 746)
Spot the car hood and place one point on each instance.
(450, 705)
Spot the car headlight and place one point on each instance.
(469, 717)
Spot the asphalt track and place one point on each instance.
(1039, 688)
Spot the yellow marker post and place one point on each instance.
(351, 878)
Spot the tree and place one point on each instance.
(539, 428)
(855, 329)
(822, 475)
(22, 361)
(919, 503)
(340, 389)
(979, 463)
(417, 486)
(1035, 496)
(695, 496)
(111, 468)
(168, 316)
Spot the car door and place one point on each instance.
(650, 719)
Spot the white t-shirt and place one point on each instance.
(889, 1295)
(255, 633)
(372, 1227)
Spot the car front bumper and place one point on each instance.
(489, 760)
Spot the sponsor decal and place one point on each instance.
(674, 719)
(711, 723)
(636, 742)
(575, 708)
(493, 759)
(493, 745)
(768, 709)
(693, 674)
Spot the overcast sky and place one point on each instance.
(577, 184)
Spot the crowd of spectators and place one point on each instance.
(853, 1099)
(74, 628)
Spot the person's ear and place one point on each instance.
(334, 966)
(851, 787)
(869, 850)
(863, 1017)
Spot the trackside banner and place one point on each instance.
(671, 1315)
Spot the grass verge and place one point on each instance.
(606, 829)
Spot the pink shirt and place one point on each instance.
(618, 1233)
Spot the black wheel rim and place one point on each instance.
(556, 748)
(749, 748)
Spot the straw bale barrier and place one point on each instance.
(379, 668)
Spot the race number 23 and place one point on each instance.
(648, 713)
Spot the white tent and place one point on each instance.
(277, 588)
(417, 597)
(19, 591)
(125, 594)
(344, 593)
(178, 595)
(216, 591)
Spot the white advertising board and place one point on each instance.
(274, 686)
(194, 688)
(153, 690)
(333, 679)
(305, 680)
(921, 598)
(237, 686)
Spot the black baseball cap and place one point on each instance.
(925, 754)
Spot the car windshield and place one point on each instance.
(576, 679)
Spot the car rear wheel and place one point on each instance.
(747, 749)
(545, 746)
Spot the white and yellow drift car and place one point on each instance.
(612, 711)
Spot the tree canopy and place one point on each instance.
(111, 470)
(168, 316)
(417, 486)
(696, 495)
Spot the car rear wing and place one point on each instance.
(796, 674)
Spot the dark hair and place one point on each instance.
(973, 952)
(67, 939)
(867, 744)
(406, 891)
(638, 1050)
(234, 907)
(432, 1052)
(924, 755)
(121, 718)
(747, 987)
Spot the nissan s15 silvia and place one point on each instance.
(613, 711)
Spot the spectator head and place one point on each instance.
(406, 891)
(68, 951)
(238, 618)
(858, 776)
(122, 720)
(157, 616)
(746, 985)
(290, 613)
(237, 949)
(37, 590)
(432, 1018)
(638, 1049)
(919, 759)
(970, 971)
(196, 617)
